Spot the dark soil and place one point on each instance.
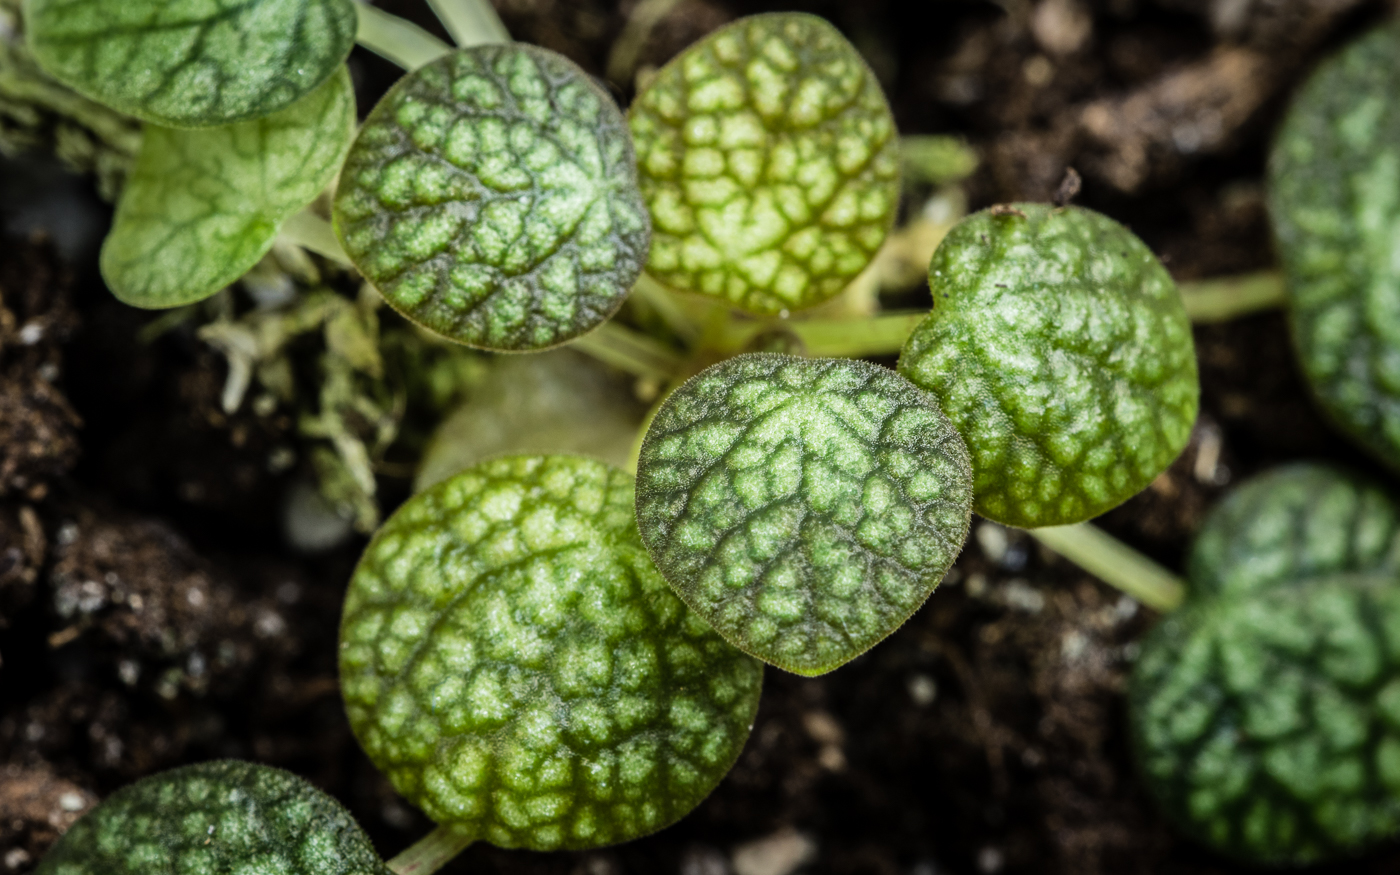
(151, 615)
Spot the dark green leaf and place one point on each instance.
(191, 64)
(216, 818)
(514, 662)
(804, 507)
(201, 207)
(770, 162)
(1059, 347)
(1268, 723)
(1292, 523)
(1334, 191)
(492, 197)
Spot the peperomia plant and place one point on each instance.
(1266, 713)
(535, 651)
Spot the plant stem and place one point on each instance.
(1225, 298)
(395, 39)
(659, 299)
(1115, 563)
(471, 22)
(430, 853)
(879, 335)
(622, 60)
(310, 231)
(629, 350)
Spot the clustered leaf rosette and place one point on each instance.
(769, 161)
(1266, 712)
(491, 196)
(805, 508)
(187, 65)
(513, 661)
(1060, 349)
(1334, 198)
(216, 818)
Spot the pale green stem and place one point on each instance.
(660, 299)
(1225, 298)
(1115, 563)
(310, 231)
(629, 350)
(647, 14)
(471, 22)
(402, 42)
(430, 853)
(852, 338)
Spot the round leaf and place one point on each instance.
(770, 162)
(1292, 523)
(1059, 347)
(804, 507)
(216, 818)
(515, 664)
(191, 64)
(492, 197)
(1334, 191)
(201, 207)
(1267, 724)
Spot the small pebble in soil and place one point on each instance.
(922, 689)
(781, 853)
(990, 860)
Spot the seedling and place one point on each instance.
(1334, 191)
(805, 508)
(770, 163)
(1266, 713)
(1059, 348)
(216, 817)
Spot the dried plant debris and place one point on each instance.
(36, 807)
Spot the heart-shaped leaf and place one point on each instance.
(804, 507)
(770, 162)
(514, 662)
(492, 197)
(1267, 723)
(1059, 347)
(1293, 523)
(216, 818)
(1334, 196)
(191, 64)
(201, 207)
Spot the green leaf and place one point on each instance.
(194, 63)
(202, 207)
(1059, 347)
(492, 197)
(554, 402)
(1334, 193)
(1291, 523)
(804, 507)
(514, 663)
(770, 162)
(1267, 723)
(216, 818)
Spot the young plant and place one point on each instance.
(1266, 712)
(1059, 348)
(1334, 197)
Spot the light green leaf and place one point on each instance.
(1291, 523)
(216, 818)
(770, 162)
(191, 63)
(804, 507)
(492, 197)
(513, 661)
(1059, 347)
(1267, 721)
(1334, 197)
(201, 207)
